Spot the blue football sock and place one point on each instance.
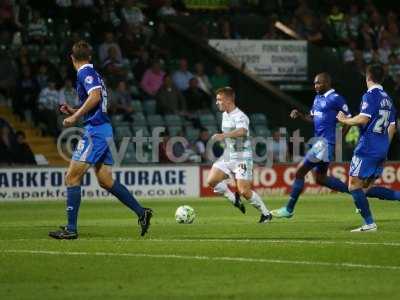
(123, 195)
(361, 203)
(73, 203)
(336, 184)
(383, 193)
(295, 193)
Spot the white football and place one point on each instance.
(185, 214)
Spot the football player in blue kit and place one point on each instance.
(377, 122)
(327, 104)
(92, 149)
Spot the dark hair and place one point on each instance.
(20, 133)
(82, 51)
(376, 73)
(226, 91)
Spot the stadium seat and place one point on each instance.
(175, 130)
(155, 120)
(139, 119)
(130, 154)
(150, 107)
(137, 106)
(207, 120)
(144, 129)
(212, 129)
(122, 131)
(261, 131)
(258, 119)
(173, 120)
(192, 133)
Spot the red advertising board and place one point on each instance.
(277, 180)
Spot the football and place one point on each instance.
(185, 214)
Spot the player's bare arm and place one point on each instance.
(67, 109)
(391, 131)
(237, 133)
(357, 120)
(93, 99)
(294, 114)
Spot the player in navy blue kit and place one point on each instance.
(92, 149)
(377, 122)
(327, 104)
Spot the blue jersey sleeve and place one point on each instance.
(367, 106)
(313, 106)
(341, 105)
(392, 117)
(89, 79)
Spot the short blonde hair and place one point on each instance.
(226, 91)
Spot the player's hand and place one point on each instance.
(294, 114)
(65, 109)
(70, 121)
(341, 117)
(218, 137)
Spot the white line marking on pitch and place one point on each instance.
(210, 258)
(216, 240)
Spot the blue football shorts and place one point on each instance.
(366, 167)
(93, 147)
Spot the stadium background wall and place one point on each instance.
(166, 181)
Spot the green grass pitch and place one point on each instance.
(223, 255)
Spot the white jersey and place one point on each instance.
(236, 148)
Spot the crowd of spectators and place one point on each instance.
(131, 49)
(13, 148)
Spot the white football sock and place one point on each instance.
(223, 189)
(256, 201)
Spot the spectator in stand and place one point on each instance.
(303, 9)
(167, 9)
(394, 66)
(354, 20)
(169, 98)
(377, 27)
(226, 31)
(132, 14)
(43, 59)
(202, 78)
(108, 43)
(366, 36)
(182, 76)
(152, 79)
(37, 29)
(196, 98)
(27, 92)
(68, 95)
(311, 30)
(368, 52)
(336, 20)
(113, 66)
(48, 105)
(349, 53)
(200, 146)
(42, 76)
(22, 152)
(131, 41)
(6, 146)
(279, 147)
(219, 79)
(23, 58)
(121, 101)
(384, 51)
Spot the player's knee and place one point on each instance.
(71, 179)
(211, 182)
(106, 183)
(245, 192)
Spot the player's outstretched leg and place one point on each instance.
(383, 193)
(297, 187)
(361, 202)
(73, 179)
(244, 188)
(332, 182)
(103, 173)
(216, 180)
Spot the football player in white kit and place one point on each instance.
(237, 160)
